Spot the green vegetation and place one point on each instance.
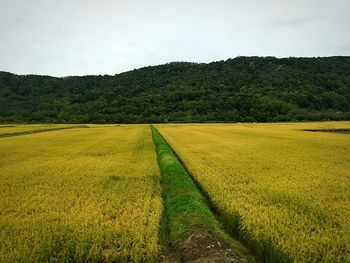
(244, 89)
(187, 211)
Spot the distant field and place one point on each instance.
(79, 195)
(13, 129)
(284, 189)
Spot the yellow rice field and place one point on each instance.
(81, 195)
(290, 188)
(20, 128)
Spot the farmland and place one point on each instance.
(79, 195)
(10, 130)
(283, 190)
(92, 193)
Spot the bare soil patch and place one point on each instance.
(202, 247)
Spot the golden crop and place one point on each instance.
(80, 195)
(290, 188)
(18, 128)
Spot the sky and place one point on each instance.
(82, 37)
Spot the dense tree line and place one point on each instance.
(245, 89)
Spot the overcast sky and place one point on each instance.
(79, 37)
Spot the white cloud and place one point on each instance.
(109, 36)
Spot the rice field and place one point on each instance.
(95, 194)
(12, 129)
(80, 195)
(285, 190)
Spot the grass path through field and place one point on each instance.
(192, 230)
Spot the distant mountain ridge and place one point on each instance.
(243, 89)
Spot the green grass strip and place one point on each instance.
(186, 208)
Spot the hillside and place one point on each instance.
(243, 89)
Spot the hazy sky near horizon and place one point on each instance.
(79, 37)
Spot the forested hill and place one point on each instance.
(241, 89)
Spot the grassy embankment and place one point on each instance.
(187, 212)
